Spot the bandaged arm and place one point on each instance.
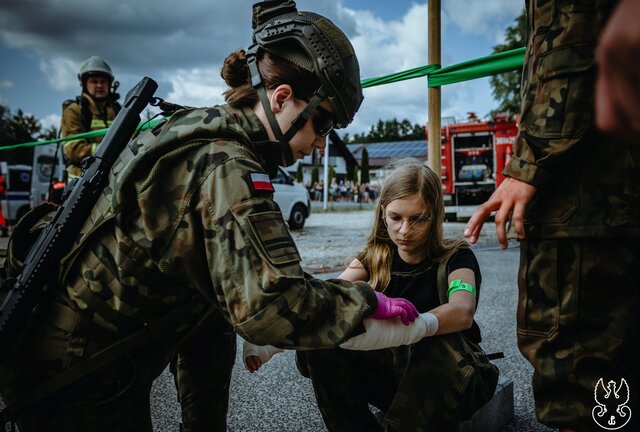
(389, 333)
(264, 353)
(379, 334)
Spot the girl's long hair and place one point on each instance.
(408, 177)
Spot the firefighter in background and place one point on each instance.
(94, 109)
(3, 195)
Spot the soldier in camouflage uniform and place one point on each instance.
(187, 229)
(575, 198)
(94, 109)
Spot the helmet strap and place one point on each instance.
(298, 123)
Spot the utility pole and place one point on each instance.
(434, 94)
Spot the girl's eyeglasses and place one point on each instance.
(394, 222)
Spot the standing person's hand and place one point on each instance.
(511, 197)
(618, 85)
(389, 307)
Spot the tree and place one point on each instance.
(332, 173)
(299, 175)
(506, 86)
(315, 175)
(364, 166)
(389, 130)
(49, 133)
(16, 129)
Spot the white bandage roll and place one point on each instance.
(264, 353)
(389, 333)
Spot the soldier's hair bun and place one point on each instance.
(235, 70)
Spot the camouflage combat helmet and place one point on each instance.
(94, 65)
(315, 44)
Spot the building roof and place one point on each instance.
(381, 154)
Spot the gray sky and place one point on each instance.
(182, 45)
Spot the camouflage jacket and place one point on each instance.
(588, 184)
(102, 115)
(183, 216)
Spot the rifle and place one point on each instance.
(54, 240)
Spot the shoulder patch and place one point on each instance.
(259, 182)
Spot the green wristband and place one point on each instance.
(458, 285)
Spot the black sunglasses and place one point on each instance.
(322, 121)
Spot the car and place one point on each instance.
(17, 182)
(292, 198)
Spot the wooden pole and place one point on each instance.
(434, 152)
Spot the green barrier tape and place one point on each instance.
(478, 68)
(400, 76)
(437, 77)
(95, 133)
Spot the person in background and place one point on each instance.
(418, 386)
(573, 194)
(95, 108)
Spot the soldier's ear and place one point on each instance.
(281, 94)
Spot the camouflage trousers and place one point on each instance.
(202, 374)
(114, 397)
(415, 387)
(578, 314)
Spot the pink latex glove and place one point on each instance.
(389, 307)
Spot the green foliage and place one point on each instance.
(389, 130)
(350, 170)
(506, 86)
(364, 166)
(299, 176)
(332, 173)
(315, 175)
(50, 133)
(15, 129)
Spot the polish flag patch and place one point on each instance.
(261, 182)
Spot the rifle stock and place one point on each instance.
(53, 243)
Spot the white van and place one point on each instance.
(293, 199)
(17, 180)
(48, 167)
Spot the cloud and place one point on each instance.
(61, 73)
(6, 84)
(135, 36)
(384, 47)
(196, 87)
(481, 17)
(183, 47)
(51, 120)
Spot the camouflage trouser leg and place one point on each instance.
(202, 372)
(578, 314)
(346, 382)
(428, 397)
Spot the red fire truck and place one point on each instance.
(473, 157)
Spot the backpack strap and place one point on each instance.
(85, 112)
